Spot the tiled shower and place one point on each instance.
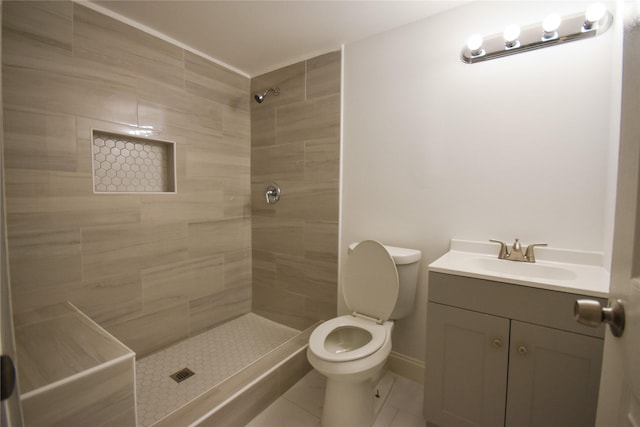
(295, 143)
(154, 269)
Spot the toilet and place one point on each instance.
(351, 350)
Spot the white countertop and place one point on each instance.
(576, 272)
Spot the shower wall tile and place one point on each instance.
(216, 237)
(264, 268)
(292, 309)
(237, 269)
(322, 159)
(312, 279)
(24, 303)
(320, 241)
(196, 200)
(211, 310)
(236, 126)
(296, 143)
(149, 332)
(41, 260)
(65, 93)
(197, 278)
(320, 278)
(310, 120)
(278, 162)
(123, 51)
(51, 212)
(170, 109)
(214, 82)
(323, 75)
(237, 197)
(40, 141)
(37, 34)
(263, 126)
(285, 236)
(29, 183)
(108, 299)
(131, 248)
(138, 264)
(228, 160)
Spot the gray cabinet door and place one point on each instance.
(466, 367)
(553, 377)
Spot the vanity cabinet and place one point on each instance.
(508, 355)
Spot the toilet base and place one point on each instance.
(348, 403)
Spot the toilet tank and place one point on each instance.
(407, 264)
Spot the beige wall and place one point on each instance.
(152, 269)
(295, 142)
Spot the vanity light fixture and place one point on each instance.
(594, 21)
(593, 15)
(511, 34)
(474, 44)
(550, 27)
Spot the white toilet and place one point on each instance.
(351, 350)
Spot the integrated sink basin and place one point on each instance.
(555, 269)
(536, 270)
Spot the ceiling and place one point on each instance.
(254, 37)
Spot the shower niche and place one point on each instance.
(131, 164)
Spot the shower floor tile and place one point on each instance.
(213, 356)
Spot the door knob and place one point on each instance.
(591, 313)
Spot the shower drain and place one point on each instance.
(182, 375)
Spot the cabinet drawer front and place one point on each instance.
(532, 305)
(553, 377)
(465, 370)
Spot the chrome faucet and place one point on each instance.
(515, 253)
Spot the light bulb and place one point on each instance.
(475, 44)
(550, 25)
(594, 13)
(511, 34)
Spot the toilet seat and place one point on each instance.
(318, 338)
(371, 285)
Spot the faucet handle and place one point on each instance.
(503, 249)
(529, 255)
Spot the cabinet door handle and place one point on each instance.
(523, 350)
(496, 343)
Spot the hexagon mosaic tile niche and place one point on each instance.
(125, 164)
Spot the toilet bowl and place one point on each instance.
(351, 350)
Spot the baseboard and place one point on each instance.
(407, 367)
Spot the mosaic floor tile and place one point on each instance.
(213, 356)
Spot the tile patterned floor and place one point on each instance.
(213, 355)
(301, 406)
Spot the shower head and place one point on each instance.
(259, 97)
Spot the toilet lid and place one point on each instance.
(371, 281)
